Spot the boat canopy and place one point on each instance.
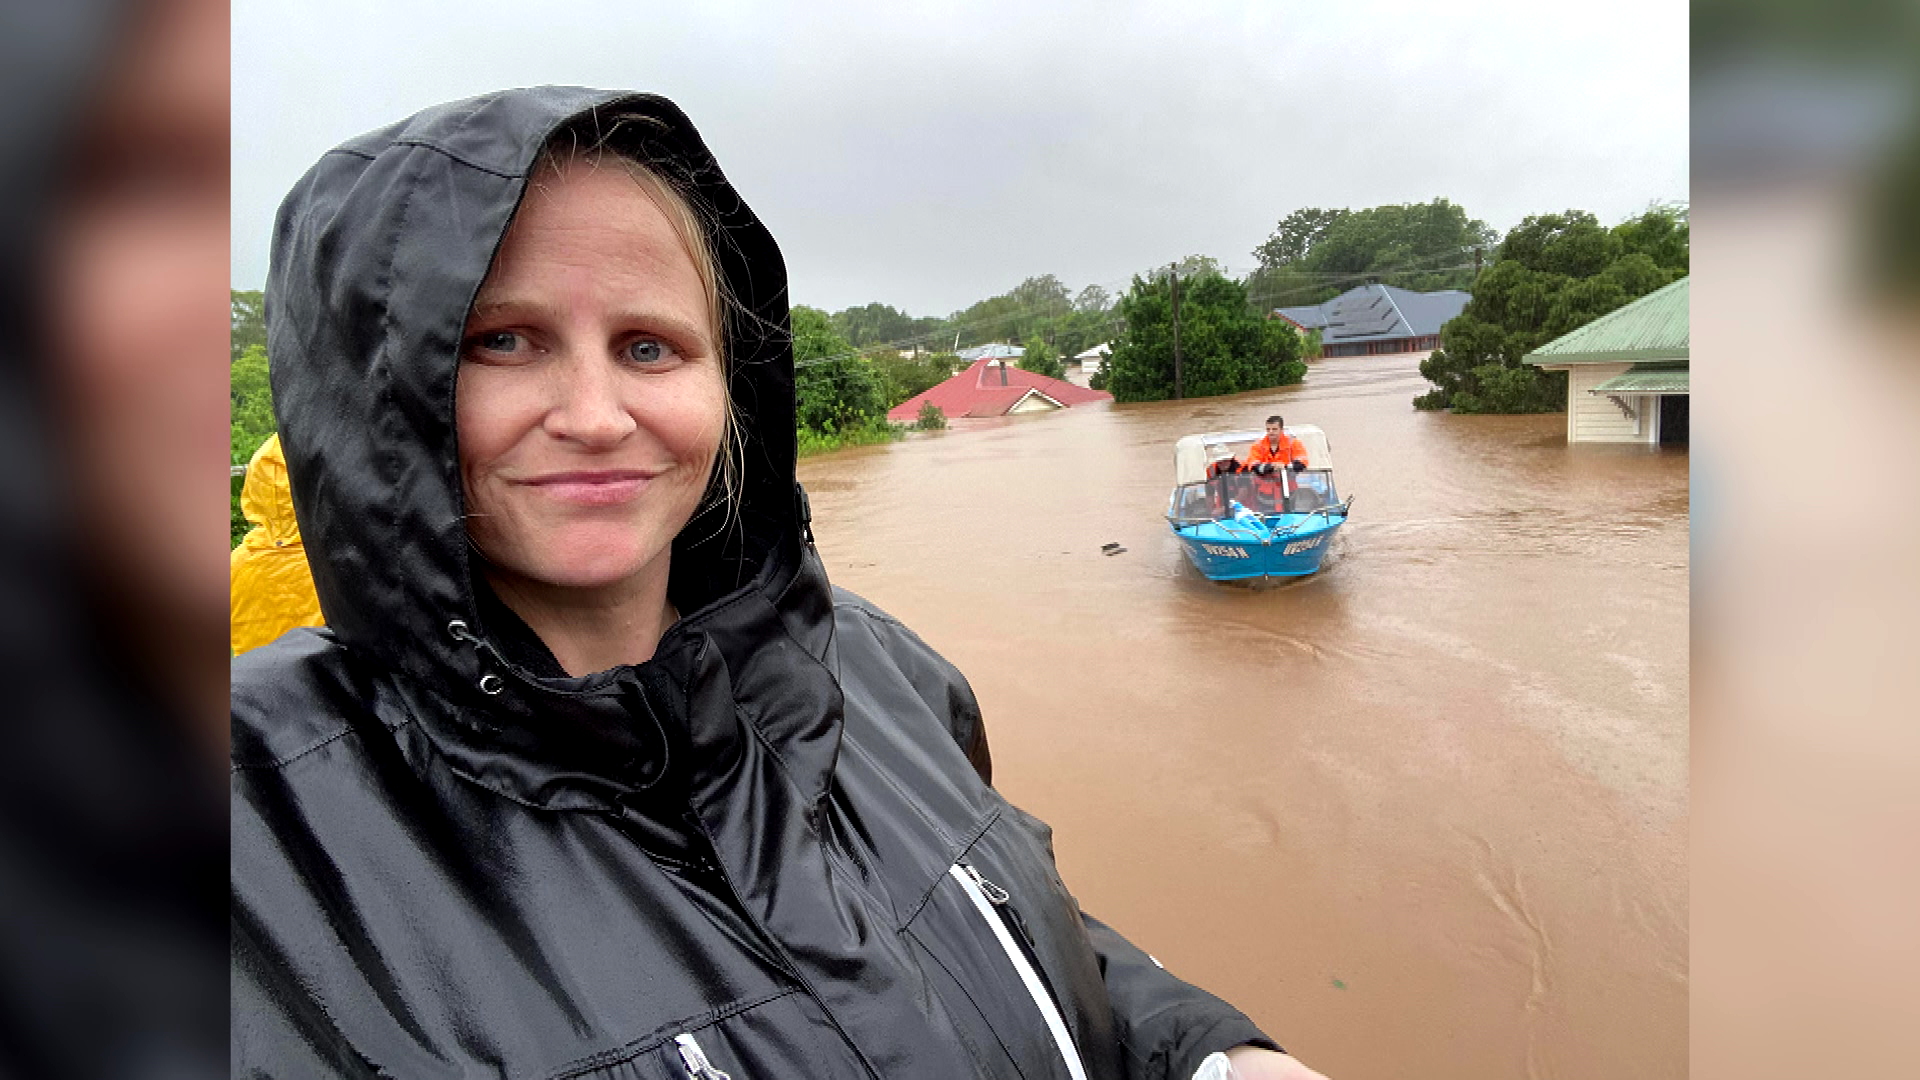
(1193, 453)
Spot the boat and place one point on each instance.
(1235, 525)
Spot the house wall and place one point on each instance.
(1595, 418)
(1384, 347)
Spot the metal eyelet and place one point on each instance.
(457, 630)
(491, 684)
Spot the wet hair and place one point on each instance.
(619, 140)
(1275, 419)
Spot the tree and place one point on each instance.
(251, 417)
(248, 321)
(835, 390)
(1315, 255)
(882, 324)
(1295, 236)
(1093, 300)
(903, 377)
(1552, 274)
(1193, 266)
(1015, 315)
(1662, 232)
(252, 403)
(1225, 347)
(1041, 359)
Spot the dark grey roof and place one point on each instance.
(1311, 317)
(1379, 313)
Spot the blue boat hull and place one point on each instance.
(1233, 551)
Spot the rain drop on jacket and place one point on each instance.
(771, 851)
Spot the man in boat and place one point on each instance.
(1277, 452)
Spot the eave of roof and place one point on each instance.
(1647, 379)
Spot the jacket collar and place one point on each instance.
(758, 664)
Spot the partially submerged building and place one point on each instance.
(1374, 319)
(1082, 366)
(990, 386)
(1627, 371)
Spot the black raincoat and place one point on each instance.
(770, 851)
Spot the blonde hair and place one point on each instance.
(573, 146)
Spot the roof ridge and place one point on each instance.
(1397, 313)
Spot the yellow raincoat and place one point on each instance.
(272, 589)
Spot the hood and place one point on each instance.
(378, 252)
(266, 498)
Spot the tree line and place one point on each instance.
(1548, 275)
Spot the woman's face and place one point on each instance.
(590, 398)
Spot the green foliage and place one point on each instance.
(835, 390)
(1093, 300)
(1225, 347)
(1296, 234)
(1079, 331)
(866, 433)
(1041, 359)
(1311, 347)
(252, 417)
(252, 402)
(881, 323)
(1554, 273)
(1015, 315)
(902, 376)
(248, 320)
(1040, 306)
(1316, 254)
(930, 418)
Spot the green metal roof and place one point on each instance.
(1667, 378)
(1654, 327)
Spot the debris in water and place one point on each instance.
(1111, 549)
(1338, 985)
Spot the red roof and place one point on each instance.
(986, 388)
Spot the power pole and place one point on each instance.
(1178, 388)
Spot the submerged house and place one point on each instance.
(990, 386)
(1627, 371)
(1373, 319)
(1084, 365)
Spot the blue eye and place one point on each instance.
(648, 352)
(496, 341)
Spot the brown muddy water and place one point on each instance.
(1423, 814)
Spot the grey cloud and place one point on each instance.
(930, 155)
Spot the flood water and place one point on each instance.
(1423, 814)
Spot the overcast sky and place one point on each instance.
(928, 155)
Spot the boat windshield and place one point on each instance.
(1291, 493)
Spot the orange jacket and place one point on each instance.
(1291, 450)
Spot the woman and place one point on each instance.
(592, 773)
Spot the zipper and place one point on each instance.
(695, 1059)
(991, 901)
